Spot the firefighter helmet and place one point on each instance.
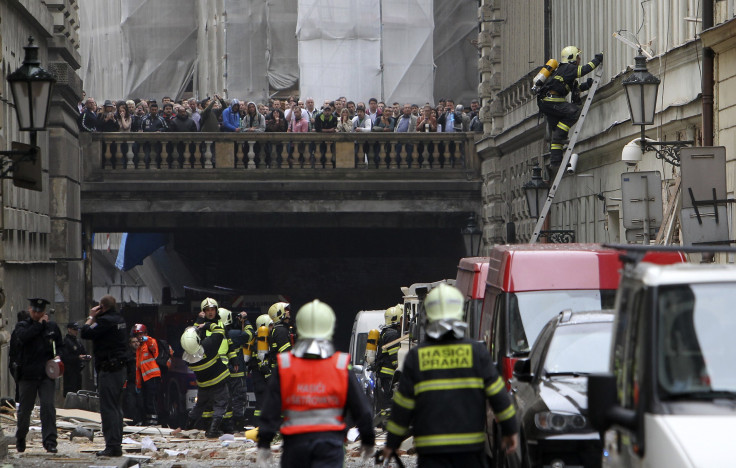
(315, 320)
(190, 340)
(569, 54)
(392, 315)
(139, 328)
(263, 320)
(444, 302)
(209, 302)
(277, 312)
(226, 317)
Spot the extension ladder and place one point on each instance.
(566, 157)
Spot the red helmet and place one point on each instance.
(139, 328)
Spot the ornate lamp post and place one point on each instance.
(471, 236)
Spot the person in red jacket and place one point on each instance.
(147, 373)
(308, 396)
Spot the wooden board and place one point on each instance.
(79, 415)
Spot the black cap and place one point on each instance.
(73, 325)
(38, 304)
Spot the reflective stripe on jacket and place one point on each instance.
(210, 370)
(145, 362)
(313, 393)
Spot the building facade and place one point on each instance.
(40, 247)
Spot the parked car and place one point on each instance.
(668, 396)
(550, 388)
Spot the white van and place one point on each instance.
(365, 321)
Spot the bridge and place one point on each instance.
(167, 181)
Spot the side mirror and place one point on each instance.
(413, 331)
(603, 408)
(358, 369)
(522, 370)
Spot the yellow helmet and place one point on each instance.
(315, 320)
(226, 317)
(444, 302)
(207, 303)
(263, 320)
(277, 312)
(569, 54)
(392, 315)
(190, 340)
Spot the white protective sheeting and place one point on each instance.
(245, 44)
(455, 57)
(339, 49)
(282, 51)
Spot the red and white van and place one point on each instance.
(471, 281)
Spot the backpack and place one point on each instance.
(163, 360)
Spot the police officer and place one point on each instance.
(38, 340)
(449, 368)
(561, 115)
(201, 352)
(387, 357)
(312, 387)
(74, 357)
(260, 365)
(107, 330)
(280, 313)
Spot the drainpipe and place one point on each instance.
(708, 82)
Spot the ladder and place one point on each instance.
(566, 157)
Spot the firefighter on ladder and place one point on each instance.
(551, 98)
(387, 357)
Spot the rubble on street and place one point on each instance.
(80, 437)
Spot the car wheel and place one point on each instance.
(175, 407)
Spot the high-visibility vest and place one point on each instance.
(313, 393)
(145, 359)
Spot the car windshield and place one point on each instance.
(530, 311)
(696, 343)
(579, 349)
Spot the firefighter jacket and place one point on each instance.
(387, 357)
(314, 396)
(442, 393)
(36, 342)
(235, 340)
(145, 361)
(224, 348)
(280, 341)
(210, 370)
(564, 80)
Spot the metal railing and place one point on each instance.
(201, 151)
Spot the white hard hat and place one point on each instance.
(444, 302)
(226, 317)
(392, 315)
(263, 320)
(208, 302)
(190, 340)
(277, 311)
(315, 320)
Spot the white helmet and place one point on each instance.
(208, 302)
(226, 317)
(315, 320)
(392, 315)
(277, 311)
(444, 302)
(263, 320)
(190, 340)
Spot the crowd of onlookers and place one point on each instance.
(287, 115)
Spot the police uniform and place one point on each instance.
(442, 394)
(313, 395)
(212, 374)
(561, 115)
(37, 343)
(387, 361)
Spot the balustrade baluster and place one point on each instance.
(430, 151)
(208, 155)
(441, 152)
(129, 156)
(385, 147)
(277, 159)
(409, 160)
(106, 154)
(451, 148)
(300, 149)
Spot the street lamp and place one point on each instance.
(537, 191)
(31, 87)
(641, 95)
(471, 236)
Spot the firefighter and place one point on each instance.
(280, 313)
(147, 373)
(237, 335)
(447, 368)
(209, 314)
(387, 357)
(552, 102)
(260, 365)
(203, 358)
(313, 388)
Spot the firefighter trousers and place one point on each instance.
(301, 451)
